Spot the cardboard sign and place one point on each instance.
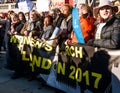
(42, 5)
(23, 6)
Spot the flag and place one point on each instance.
(24, 5)
(30, 5)
(76, 26)
(16, 5)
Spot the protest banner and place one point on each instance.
(25, 50)
(79, 69)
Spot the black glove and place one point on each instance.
(90, 42)
(59, 20)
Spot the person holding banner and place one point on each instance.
(86, 21)
(34, 23)
(48, 28)
(108, 30)
(16, 25)
(55, 15)
(66, 25)
(22, 18)
(83, 24)
(63, 27)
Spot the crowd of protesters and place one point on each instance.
(100, 28)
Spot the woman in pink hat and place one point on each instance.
(108, 29)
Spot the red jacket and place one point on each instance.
(87, 27)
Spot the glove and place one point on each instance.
(59, 20)
(90, 42)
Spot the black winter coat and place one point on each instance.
(110, 35)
